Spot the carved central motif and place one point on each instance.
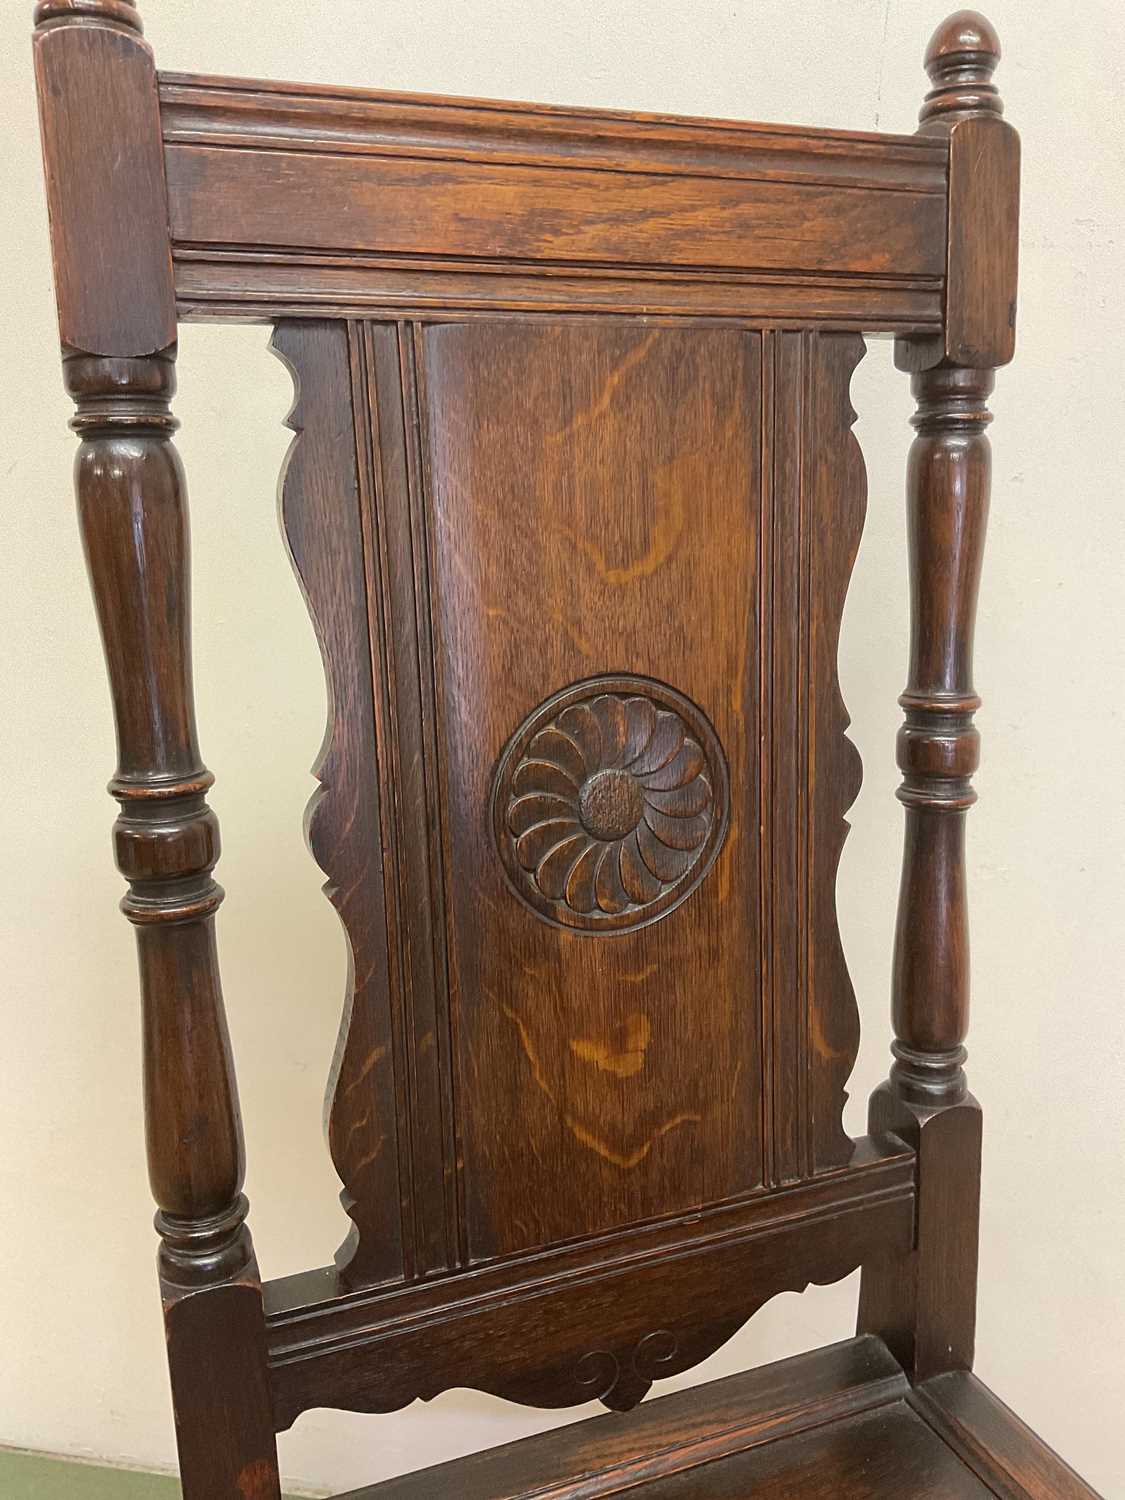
(610, 804)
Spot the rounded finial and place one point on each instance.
(961, 59)
(121, 13)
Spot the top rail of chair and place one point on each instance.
(238, 112)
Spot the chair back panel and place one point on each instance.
(607, 571)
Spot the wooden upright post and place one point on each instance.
(117, 316)
(924, 1305)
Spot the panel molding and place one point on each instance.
(214, 283)
(399, 597)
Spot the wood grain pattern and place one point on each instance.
(438, 180)
(220, 1389)
(982, 255)
(824, 1425)
(133, 516)
(993, 1442)
(400, 202)
(398, 587)
(984, 210)
(836, 479)
(542, 577)
(262, 286)
(842, 1421)
(202, 110)
(678, 1432)
(103, 164)
(592, 1066)
(924, 1304)
(381, 204)
(810, 771)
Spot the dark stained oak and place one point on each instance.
(446, 177)
(321, 518)
(476, 207)
(679, 1432)
(842, 1421)
(134, 526)
(114, 289)
(992, 1440)
(573, 499)
(610, 1316)
(924, 1304)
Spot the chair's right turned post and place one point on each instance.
(924, 1305)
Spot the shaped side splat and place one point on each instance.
(321, 518)
(814, 499)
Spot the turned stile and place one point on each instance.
(117, 322)
(925, 1304)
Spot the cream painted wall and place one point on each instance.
(83, 1365)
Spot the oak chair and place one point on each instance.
(574, 499)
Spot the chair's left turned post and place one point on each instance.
(104, 166)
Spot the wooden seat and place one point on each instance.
(573, 499)
(843, 1421)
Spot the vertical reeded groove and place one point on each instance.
(766, 566)
(366, 421)
(805, 696)
(443, 1087)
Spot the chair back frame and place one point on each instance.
(486, 309)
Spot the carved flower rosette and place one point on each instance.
(610, 804)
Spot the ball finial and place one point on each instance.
(961, 59)
(119, 13)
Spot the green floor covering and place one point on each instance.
(27, 1476)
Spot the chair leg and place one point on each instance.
(923, 1304)
(220, 1389)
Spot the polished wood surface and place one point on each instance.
(610, 1315)
(573, 499)
(324, 527)
(133, 517)
(263, 178)
(559, 987)
(993, 1441)
(924, 1304)
(843, 1421)
(113, 289)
